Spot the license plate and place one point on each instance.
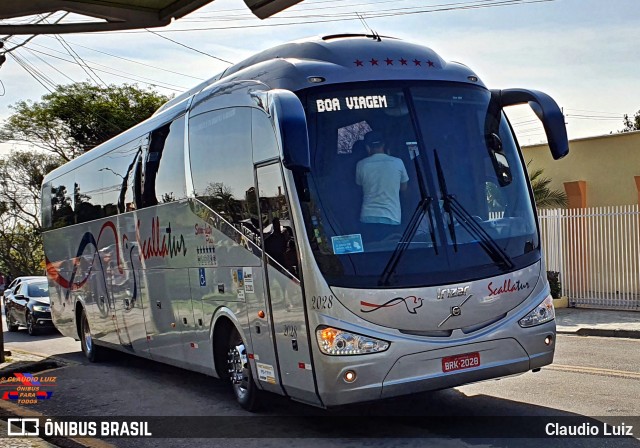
(460, 362)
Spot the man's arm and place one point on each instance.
(404, 177)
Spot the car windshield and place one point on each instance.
(38, 289)
(415, 185)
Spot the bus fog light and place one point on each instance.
(539, 315)
(339, 342)
(349, 376)
(548, 340)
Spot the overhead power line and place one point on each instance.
(341, 17)
(80, 62)
(116, 72)
(190, 48)
(73, 44)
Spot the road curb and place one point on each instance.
(10, 410)
(601, 332)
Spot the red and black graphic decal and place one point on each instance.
(412, 303)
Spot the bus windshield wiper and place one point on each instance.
(407, 236)
(453, 207)
(447, 199)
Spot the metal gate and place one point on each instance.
(597, 253)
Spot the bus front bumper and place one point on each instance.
(425, 370)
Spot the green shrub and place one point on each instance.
(554, 283)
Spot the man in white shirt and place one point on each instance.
(381, 177)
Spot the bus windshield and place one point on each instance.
(415, 185)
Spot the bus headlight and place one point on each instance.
(339, 342)
(540, 314)
(41, 308)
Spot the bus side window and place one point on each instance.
(263, 139)
(87, 193)
(163, 179)
(222, 167)
(62, 201)
(117, 170)
(46, 206)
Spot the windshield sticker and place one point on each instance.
(412, 303)
(412, 147)
(347, 244)
(349, 135)
(352, 103)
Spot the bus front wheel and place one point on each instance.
(244, 387)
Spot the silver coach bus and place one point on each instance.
(226, 234)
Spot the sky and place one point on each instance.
(584, 53)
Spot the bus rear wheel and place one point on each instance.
(89, 348)
(244, 387)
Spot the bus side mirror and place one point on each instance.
(291, 122)
(547, 111)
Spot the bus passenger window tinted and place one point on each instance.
(276, 219)
(222, 167)
(117, 169)
(46, 206)
(88, 193)
(62, 201)
(164, 166)
(264, 141)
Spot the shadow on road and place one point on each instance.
(170, 397)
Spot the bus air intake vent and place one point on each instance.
(430, 334)
(481, 325)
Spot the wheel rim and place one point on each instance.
(86, 335)
(239, 370)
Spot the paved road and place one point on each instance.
(590, 377)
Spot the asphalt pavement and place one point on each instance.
(576, 321)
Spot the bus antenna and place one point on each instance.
(367, 28)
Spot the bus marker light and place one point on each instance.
(261, 314)
(315, 79)
(349, 376)
(173, 325)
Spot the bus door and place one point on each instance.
(284, 290)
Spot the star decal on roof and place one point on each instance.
(373, 62)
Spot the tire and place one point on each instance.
(240, 375)
(89, 348)
(32, 329)
(11, 325)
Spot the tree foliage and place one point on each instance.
(77, 117)
(63, 125)
(631, 124)
(544, 196)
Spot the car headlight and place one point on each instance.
(42, 308)
(540, 314)
(339, 342)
